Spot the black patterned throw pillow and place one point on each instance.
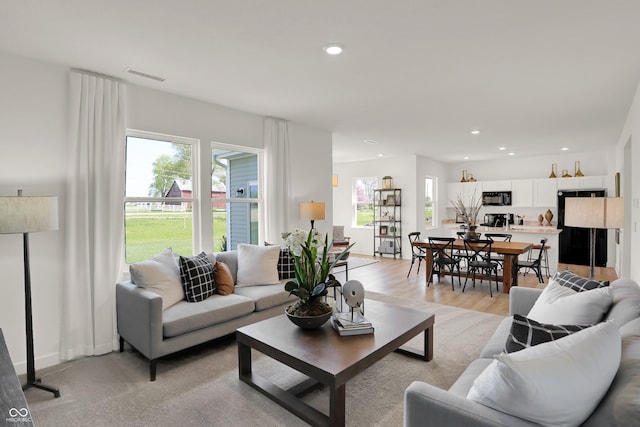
(286, 265)
(527, 333)
(577, 283)
(196, 275)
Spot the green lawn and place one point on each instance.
(148, 233)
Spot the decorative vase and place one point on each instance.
(471, 233)
(309, 322)
(553, 170)
(565, 173)
(548, 216)
(577, 171)
(540, 219)
(464, 176)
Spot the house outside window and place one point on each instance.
(362, 200)
(430, 202)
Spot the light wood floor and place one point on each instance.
(389, 276)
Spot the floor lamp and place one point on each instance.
(311, 211)
(594, 213)
(24, 215)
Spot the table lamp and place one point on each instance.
(311, 211)
(594, 213)
(24, 215)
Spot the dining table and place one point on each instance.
(509, 250)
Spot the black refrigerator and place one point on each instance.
(574, 241)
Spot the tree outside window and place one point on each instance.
(362, 197)
(430, 202)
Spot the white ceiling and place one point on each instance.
(416, 75)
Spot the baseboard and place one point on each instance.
(41, 363)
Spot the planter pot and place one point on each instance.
(308, 322)
(471, 233)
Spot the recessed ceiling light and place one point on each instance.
(502, 148)
(512, 154)
(370, 141)
(466, 157)
(565, 148)
(475, 132)
(380, 155)
(333, 49)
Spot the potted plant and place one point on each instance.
(469, 214)
(313, 263)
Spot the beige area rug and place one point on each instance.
(200, 387)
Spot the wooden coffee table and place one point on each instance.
(326, 357)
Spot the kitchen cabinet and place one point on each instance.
(466, 190)
(522, 193)
(544, 192)
(582, 183)
(497, 185)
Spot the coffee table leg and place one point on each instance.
(244, 360)
(428, 343)
(337, 405)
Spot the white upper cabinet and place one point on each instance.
(544, 192)
(496, 185)
(583, 182)
(466, 190)
(522, 193)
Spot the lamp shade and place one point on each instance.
(334, 180)
(594, 212)
(28, 214)
(311, 210)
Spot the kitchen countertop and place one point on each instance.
(516, 229)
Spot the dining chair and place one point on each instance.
(503, 237)
(461, 253)
(442, 258)
(544, 262)
(417, 253)
(534, 265)
(478, 253)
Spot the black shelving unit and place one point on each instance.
(387, 222)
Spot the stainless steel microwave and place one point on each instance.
(496, 198)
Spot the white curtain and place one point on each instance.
(277, 179)
(94, 226)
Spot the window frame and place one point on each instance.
(434, 202)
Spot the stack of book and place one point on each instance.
(351, 323)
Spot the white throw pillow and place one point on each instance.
(560, 305)
(257, 265)
(558, 383)
(160, 274)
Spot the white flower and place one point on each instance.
(298, 238)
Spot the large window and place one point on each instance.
(168, 203)
(159, 196)
(430, 202)
(362, 200)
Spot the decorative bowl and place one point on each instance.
(308, 322)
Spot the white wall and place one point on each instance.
(629, 145)
(33, 123)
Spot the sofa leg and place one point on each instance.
(121, 344)
(152, 369)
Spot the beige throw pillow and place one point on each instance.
(161, 275)
(257, 265)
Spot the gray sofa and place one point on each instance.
(156, 333)
(426, 405)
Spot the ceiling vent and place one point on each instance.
(145, 75)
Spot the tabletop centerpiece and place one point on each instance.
(313, 262)
(469, 214)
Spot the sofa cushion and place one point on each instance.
(626, 301)
(525, 383)
(527, 333)
(495, 345)
(577, 283)
(223, 278)
(265, 297)
(196, 274)
(464, 383)
(257, 265)
(185, 316)
(161, 275)
(561, 305)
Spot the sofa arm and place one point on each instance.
(139, 317)
(522, 299)
(426, 405)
